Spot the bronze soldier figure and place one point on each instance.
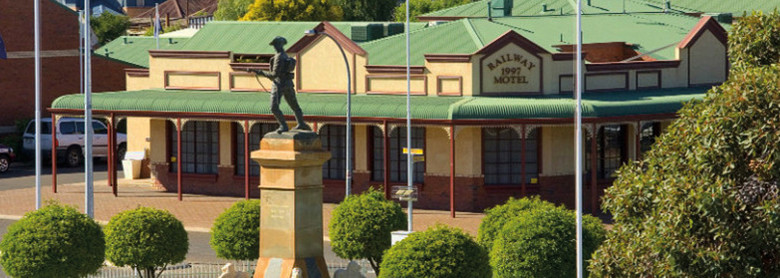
(281, 73)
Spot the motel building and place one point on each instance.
(492, 105)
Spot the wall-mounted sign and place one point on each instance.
(511, 70)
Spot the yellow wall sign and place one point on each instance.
(414, 151)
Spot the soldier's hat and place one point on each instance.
(278, 40)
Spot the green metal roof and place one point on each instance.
(647, 31)
(135, 50)
(253, 36)
(391, 106)
(555, 7)
(735, 7)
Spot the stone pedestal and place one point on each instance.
(291, 205)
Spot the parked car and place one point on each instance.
(6, 157)
(70, 140)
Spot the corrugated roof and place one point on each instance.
(135, 50)
(647, 31)
(392, 106)
(737, 8)
(253, 36)
(554, 7)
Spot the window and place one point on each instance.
(45, 127)
(647, 135)
(611, 149)
(334, 139)
(502, 156)
(68, 128)
(398, 166)
(199, 147)
(256, 133)
(99, 128)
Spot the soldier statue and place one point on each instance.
(281, 73)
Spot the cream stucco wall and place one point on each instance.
(708, 60)
(468, 152)
(138, 131)
(321, 67)
(437, 151)
(225, 144)
(196, 66)
(447, 73)
(558, 150)
(361, 148)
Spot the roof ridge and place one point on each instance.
(474, 36)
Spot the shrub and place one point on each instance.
(498, 216)
(439, 252)
(704, 201)
(109, 26)
(236, 232)
(54, 241)
(541, 243)
(755, 40)
(145, 239)
(360, 226)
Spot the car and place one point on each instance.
(70, 140)
(6, 157)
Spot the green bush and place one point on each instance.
(360, 226)
(236, 232)
(498, 216)
(755, 40)
(439, 252)
(145, 239)
(54, 241)
(704, 201)
(541, 243)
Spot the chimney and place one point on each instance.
(667, 6)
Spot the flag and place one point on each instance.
(157, 25)
(3, 55)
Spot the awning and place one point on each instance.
(180, 103)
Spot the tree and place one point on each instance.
(54, 241)
(755, 40)
(439, 252)
(498, 216)
(293, 10)
(421, 7)
(541, 243)
(232, 9)
(145, 239)
(108, 26)
(367, 10)
(360, 227)
(704, 202)
(236, 232)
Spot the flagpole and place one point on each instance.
(578, 140)
(409, 168)
(37, 32)
(88, 186)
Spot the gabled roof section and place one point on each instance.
(706, 23)
(511, 37)
(331, 30)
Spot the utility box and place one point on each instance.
(131, 165)
(397, 236)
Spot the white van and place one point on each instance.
(70, 140)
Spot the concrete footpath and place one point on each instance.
(197, 212)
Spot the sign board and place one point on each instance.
(403, 193)
(512, 69)
(414, 151)
(418, 159)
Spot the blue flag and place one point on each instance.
(3, 55)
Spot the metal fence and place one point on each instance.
(198, 22)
